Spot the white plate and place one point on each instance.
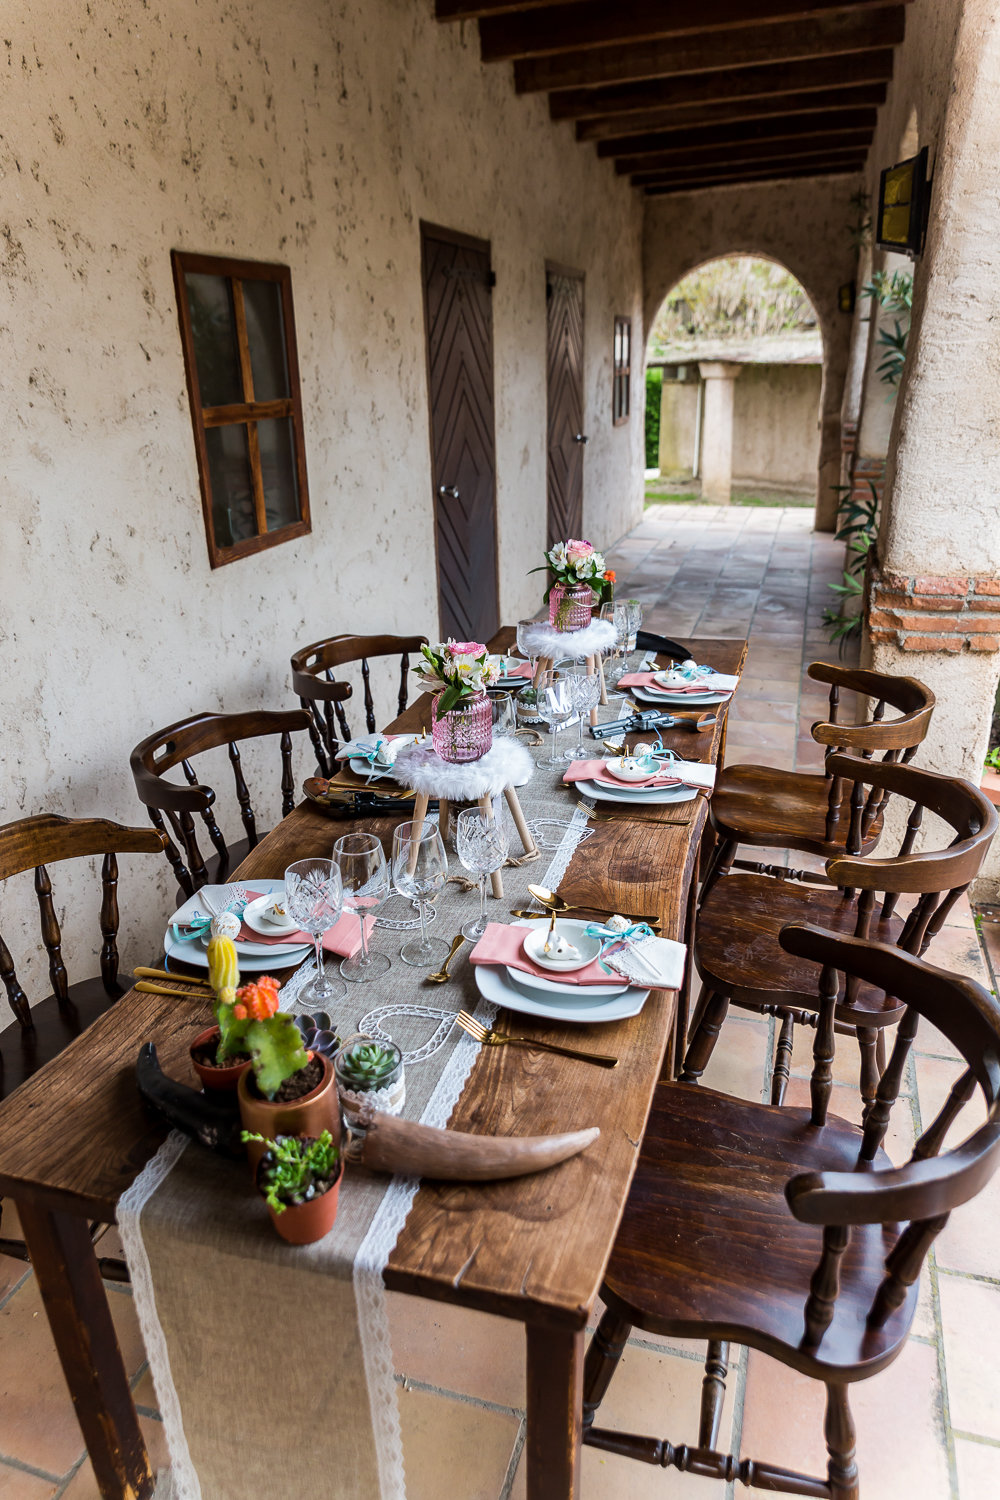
(543, 986)
(493, 984)
(634, 796)
(621, 772)
(253, 916)
(254, 957)
(575, 931)
(679, 700)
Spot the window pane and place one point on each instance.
(277, 462)
(213, 328)
(233, 515)
(266, 337)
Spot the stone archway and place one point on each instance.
(804, 226)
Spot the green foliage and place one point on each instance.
(367, 1064)
(277, 1051)
(232, 1034)
(858, 526)
(294, 1169)
(654, 390)
(894, 294)
(738, 296)
(861, 229)
(992, 760)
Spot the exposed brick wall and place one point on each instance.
(863, 471)
(930, 613)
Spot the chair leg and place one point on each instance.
(722, 859)
(601, 1362)
(783, 1058)
(713, 1393)
(870, 1071)
(842, 1471)
(705, 1037)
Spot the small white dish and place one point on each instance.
(260, 916)
(572, 934)
(558, 989)
(635, 768)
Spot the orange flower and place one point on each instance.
(611, 575)
(259, 1001)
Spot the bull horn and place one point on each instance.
(394, 1145)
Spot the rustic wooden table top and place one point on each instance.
(76, 1134)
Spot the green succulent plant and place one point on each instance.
(295, 1169)
(368, 1064)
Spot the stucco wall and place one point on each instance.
(776, 424)
(678, 427)
(314, 134)
(802, 225)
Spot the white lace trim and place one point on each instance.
(181, 1481)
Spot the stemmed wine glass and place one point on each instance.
(314, 898)
(504, 717)
(524, 629)
(420, 871)
(614, 658)
(585, 690)
(555, 705)
(365, 876)
(481, 843)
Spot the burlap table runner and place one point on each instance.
(272, 1363)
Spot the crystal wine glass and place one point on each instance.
(524, 629)
(481, 843)
(314, 899)
(585, 690)
(365, 876)
(634, 607)
(504, 720)
(420, 871)
(555, 705)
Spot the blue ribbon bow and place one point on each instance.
(195, 926)
(615, 938)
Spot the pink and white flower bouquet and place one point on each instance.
(574, 562)
(458, 670)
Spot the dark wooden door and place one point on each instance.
(459, 315)
(567, 439)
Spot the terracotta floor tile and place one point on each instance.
(970, 1319)
(15, 1484)
(37, 1422)
(759, 711)
(978, 1467)
(970, 1241)
(456, 1349)
(11, 1271)
(935, 1077)
(83, 1485)
(144, 1393)
(935, 1043)
(957, 949)
(447, 1444)
(737, 1064)
(845, 1102)
(846, 1060)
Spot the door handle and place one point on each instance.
(581, 437)
(448, 489)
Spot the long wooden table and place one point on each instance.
(76, 1135)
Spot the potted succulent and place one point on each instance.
(220, 1054)
(370, 1072)
(458, 674)
(580, 579)
(299, 1179)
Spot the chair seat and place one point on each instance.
(781, 809)
(23, 1052)
(708, 1247)
(738, 954)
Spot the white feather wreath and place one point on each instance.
(421, 768)
(542, 639)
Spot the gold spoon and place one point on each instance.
(442, 974)
(555, 903)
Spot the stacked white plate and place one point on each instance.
(661, 693)
(610, 790)
(366, 769)
(533, 995)
(255, 958)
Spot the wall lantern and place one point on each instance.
(846, 297)
(903, 202)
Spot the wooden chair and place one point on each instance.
(323, 696)
(175, 746)
(811, 813)
(41, 1030)
(736, 947)
(788, 1230)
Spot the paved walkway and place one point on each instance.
(928, 1427)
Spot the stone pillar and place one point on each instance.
(717, 430)
(935, 602)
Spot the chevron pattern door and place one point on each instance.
(459, 316)
(564, 292)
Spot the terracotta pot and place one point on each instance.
(315, 1112)
(223, 1080)
(990, 784)
(304, 1223)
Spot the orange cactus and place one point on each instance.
(257, 1001)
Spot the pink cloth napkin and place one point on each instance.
(501, 943)
(597, 770)
(344, 938)
(524, 669)
(648, 680)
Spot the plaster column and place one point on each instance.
(935, 605)
(717, 431)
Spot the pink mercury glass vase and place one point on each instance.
(570, 606)
(463, 733)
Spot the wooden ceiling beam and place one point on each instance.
(785, 127)
(725, 86)
(472, 10)
(611, 127)
(853, 143)
(594, 23)
(750, 171)
(758, 179)
(739, 47)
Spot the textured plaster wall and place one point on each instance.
(776, 427)
(802, 225)
(314, 134)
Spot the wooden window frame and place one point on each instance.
(621, 380)
(248, 412)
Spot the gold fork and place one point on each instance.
(491, 1038)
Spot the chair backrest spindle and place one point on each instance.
(319, 690)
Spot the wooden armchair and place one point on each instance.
(811, 812)
(175, 746)
(41, 1029)
(323, 696)
(789, 1230)
(736, 948)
